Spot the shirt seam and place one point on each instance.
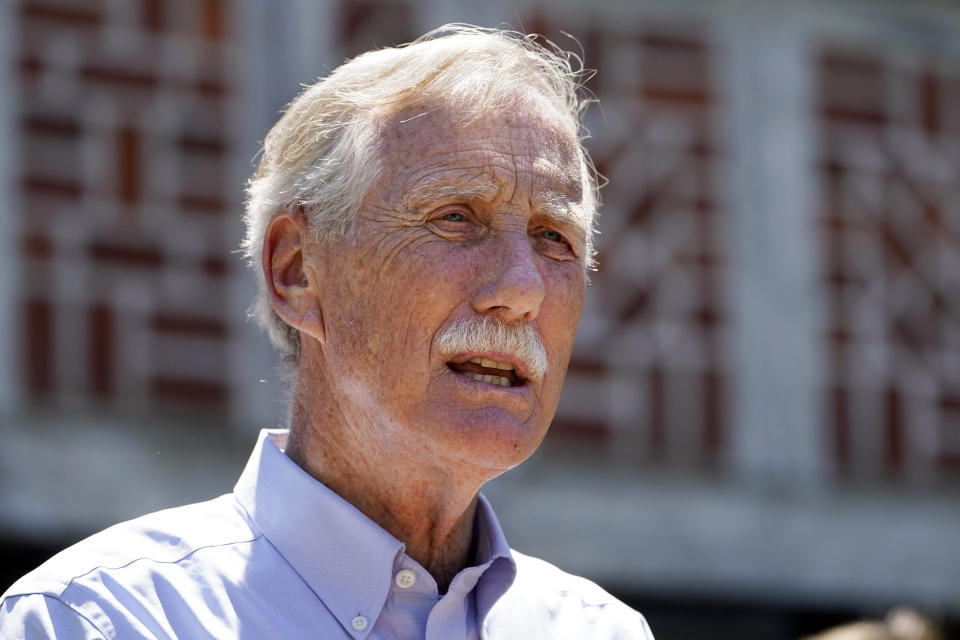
(104, 567)
(73, 609)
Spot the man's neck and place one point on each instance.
(430, 511)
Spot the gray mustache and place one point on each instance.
(489, 333)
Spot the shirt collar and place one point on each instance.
(346, 558)
(494, 565)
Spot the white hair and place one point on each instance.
(320, 157)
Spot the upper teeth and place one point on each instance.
(492, 364)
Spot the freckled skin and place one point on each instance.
(400, 281)
(378, 415)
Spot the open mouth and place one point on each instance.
(489, 371)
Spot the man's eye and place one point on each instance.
(554, 244)
(455, 224)
(550, 234)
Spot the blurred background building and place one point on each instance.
(760, 433)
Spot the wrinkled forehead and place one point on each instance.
(433, 132)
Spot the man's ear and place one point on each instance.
(290, 283)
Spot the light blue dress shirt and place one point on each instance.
(284, 557)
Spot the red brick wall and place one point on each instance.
(890, 168)
(128, 203)
(662, 257)
(123, 171)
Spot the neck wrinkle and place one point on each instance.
(430, 510)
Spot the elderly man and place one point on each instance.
(420, 225)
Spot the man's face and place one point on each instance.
(486, 219)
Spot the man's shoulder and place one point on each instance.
(539, 576)
(163, 537)
(557, 604)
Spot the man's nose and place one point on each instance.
(510, 284)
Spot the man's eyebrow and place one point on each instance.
(559, 208)
(445, 189)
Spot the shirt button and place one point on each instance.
(359, 623)
(405, 578)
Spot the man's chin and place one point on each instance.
(493, 437)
